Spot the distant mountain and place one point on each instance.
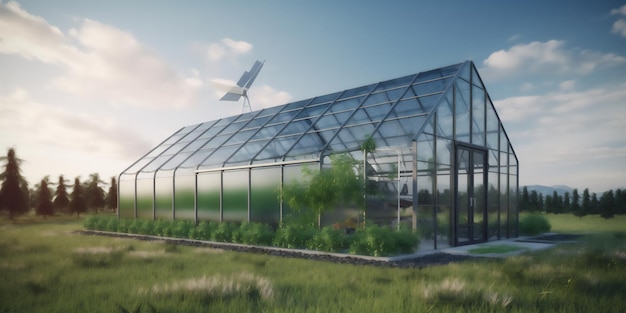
(548, 190)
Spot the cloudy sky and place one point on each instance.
(91, 86)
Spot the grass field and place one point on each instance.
(46, 267)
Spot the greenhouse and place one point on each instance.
(441, 162)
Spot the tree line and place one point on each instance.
(609, 204)
(47, 197)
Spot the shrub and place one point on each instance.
(328, 239)
(406, 240)
(204, 230)
(102, 222)
(90, 222)
(123, 226)
(147, 228)
(162, 228)
(223, 233)
(293, 236)
(257, 234)
(534, 224)
(135, 226)
(181, 229)
(112, 224)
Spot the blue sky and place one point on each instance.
(91, 86)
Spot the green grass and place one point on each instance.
(569, 223)
(47, 267)
(496, 249)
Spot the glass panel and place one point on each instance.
(264, 204)
(258, 121)
(431, 86)
(462, 126)
(311, 142)
(277, 148)
(209, 188)
(332, 120)
(268, 131)
(184, 195)
(357, 91)
(376, 98)
(144, 198)
(219, 157)
(493, 205)
(158, 150)
(127, 196)
(426, 202)
(444, 151)
(479, 202)
(176, 160)
(504, 196)
(445, 118)
(425, 147)
(292, 174)
(141, 163)
(164, 188)
(463, 201)
(241, 136)
(236, 195)
(395, 83)
(478, 114)
(195, 145)
(326, 98)
(445, 202)
(248, 151)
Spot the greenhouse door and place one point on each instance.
(470, 218)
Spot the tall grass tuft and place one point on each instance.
(210, 288)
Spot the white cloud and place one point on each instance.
(619, 27)
(619, 11)
(568, 85)
(265, 96)
(99, 61)
(32, 123)
(56, 141)
(546, 58)
(227, 47)
(557, 135)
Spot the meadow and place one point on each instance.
(46, 267)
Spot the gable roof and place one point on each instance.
(393, 112)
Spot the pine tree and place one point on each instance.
(540, 203)
(61, 201)
(593, 207)
(576, 203)
(111, 199)
(620, 201)
(95, 194)
(607, 204)
(524, 203)
(43, 204)
(566, 203)
(585, 206)
(533, 201)
(13, 196)
(77, 202)
(549, 204)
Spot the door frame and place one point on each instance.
(470, 209)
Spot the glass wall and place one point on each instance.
(235, 195)
(232, 169)
(209, 195)
(264, 202)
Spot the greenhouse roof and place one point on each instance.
(392, 112)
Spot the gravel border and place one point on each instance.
(417, 261)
